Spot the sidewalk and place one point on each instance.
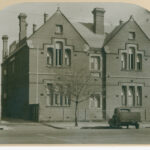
(86, 125)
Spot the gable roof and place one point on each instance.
(119, 27)
(84, 30)
(113, 33)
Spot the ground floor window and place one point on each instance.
(131, 96)
(95, 101)
(124, 96)
(55, 97)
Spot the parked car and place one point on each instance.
(124, 117)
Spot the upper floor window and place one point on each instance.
(5, 72)
(50, 56)
(131, 36)
(13, 66)
(131, 58)
(95, 62)
(124, 61)
(59, 29)
(59, 53)
(67, 57)
(139, 61)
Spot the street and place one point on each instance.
(37, 133)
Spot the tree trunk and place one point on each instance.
(76, 118)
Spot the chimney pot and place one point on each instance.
(45, 17)
(22, 26)
(5, 46)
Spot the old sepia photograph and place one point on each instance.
(75, 73)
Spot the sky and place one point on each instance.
(75, 11)
(80, 12)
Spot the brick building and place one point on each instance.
(117, 63)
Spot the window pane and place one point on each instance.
(139, 95)
(61, 99)
(49, 56)
(49, 94)
(68, 57)
(139, 62)
(131, 35)
(123, 60)
(59, 53)
(124, 95)
(131, 58)
(131, 96)
(59, 28)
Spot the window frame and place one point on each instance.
(131, 35)
(58, 29)
(99, 65)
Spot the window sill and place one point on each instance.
(58, 106)
(57, 33)
(51, 66)
(133, 106)
(131, 70)
(97, 108)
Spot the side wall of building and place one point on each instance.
(116, 77)
(15, 85)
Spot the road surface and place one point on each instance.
(36, 133)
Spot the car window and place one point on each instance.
(124, 110)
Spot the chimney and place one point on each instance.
(45, 17)
(98, 15)
(5, 46)
(34, 28)
(22, 26)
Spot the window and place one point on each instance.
(131, 58)
(55, 96)
(67, 57)
(131, 96)
(67, 100)
(5, 72)
(124, 61)
(139, 62)
(139, 95)
(13, 66)
(131, 36)
(124, 96)
(94, 101)
(49, 94)
(50, 56)
(5, 95)
(59, 29)
(95, 63)
(59, 54)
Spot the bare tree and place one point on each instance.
(77, 83)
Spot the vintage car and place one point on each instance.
(124, 117)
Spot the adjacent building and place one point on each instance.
(118, 63)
